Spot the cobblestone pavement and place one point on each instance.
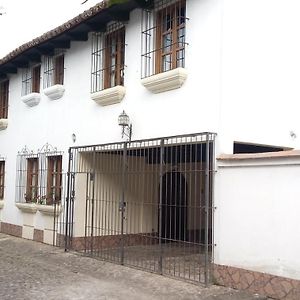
(30, 270)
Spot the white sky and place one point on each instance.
(27, 19)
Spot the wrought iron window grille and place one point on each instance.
(2, 177)
(108, 55)
(31, 79)
(4, 92)
(163, 37)
(39, 176)
(54, 68)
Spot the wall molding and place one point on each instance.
(264, 284)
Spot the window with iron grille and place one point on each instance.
(4, 85)
(163, 37)
(108, 51)
(2, 173)
(54, 70)
(54, 179)
(39, 176)
(31, 80)
(32, 179)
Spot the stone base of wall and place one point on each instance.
(108, 241)
(11, 229)
(255, 282)
(38, 235)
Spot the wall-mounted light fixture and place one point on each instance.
(124, 122)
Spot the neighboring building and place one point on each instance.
(205, 83)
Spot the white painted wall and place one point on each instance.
(257, 215)
(260, 72)
(192, 108)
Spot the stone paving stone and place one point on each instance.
(31, 270)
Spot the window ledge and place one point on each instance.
(165, 81)
(54, 92)
(3, 124)
(109, 96)
(27, 207)
(48, 209)
(32, 99)
(1, 204)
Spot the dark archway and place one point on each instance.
(174, 203)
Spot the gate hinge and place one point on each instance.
(71, 156)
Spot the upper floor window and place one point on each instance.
(31, 80)
(2, 173)
(163, 37)
(54, 70)
(108, 51)
(4, 99)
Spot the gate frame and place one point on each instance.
(68, 214)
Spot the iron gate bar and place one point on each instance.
(207, 181)
(162, 221)
(122, 204)
(160, 204)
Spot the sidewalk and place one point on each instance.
(30, 270)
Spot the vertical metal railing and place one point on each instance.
(148, 204)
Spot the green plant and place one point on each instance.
(113, 2)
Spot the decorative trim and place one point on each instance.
(269, 285)
(1, 204)
(27, 207)
(165, 81)
(3, 124)
(11, 229)
(109, 96)
(48, 209)
(54, 92)
(32, 99)
(38, 235)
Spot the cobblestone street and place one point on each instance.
(30, 270)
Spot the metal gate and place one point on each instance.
(146, 204)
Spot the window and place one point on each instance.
(4, 99)
(32, 180)
(31, 80)
(2, 173)
(54, 70)
(163, 37)
(54, 179)
(108, 51)
(170, 38)
(39, 176)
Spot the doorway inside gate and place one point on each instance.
(146, 204)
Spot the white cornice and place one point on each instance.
(165, 81)
(109, 96)
(54, 92)
(32, 99)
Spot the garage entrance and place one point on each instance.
(146, 204)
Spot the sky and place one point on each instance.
(25, 20)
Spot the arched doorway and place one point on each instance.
(174, 203)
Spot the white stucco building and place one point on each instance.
(218, 80)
